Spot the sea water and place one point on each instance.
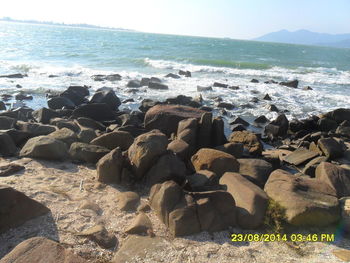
(74, 54)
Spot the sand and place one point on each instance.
(64, 187)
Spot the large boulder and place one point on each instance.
(90, 123)
(107, 96)
(145, 151)
(214, 160)
(57, 103)
(335, 176)
(96, 111)
(235, 149)
(65, 135)
(339, 115)
(7, 145)
(17, 208)
(291, 84)
(109, 167)
(278, 127)
(307, 201)
(44, 147)
(39, 250)
(249, 140)
(35, 129)
(87, 152)
(76, 94)
(166, 117)
(7, 123)
(300, 156)
(330, 147)
(180, 148)
(187, 131)
(251, 200)
(256, 170)
(218, 132)
(204, 130)
(115, 139)
(168, 167)
(44, 115)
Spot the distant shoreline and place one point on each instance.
(88, 26)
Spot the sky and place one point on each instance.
(240, 19)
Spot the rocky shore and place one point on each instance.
(87, 182)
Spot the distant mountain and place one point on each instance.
(306, 37)
(9, 19)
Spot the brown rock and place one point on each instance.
(166, 117)
(335, 176)
(128, 201)
(256, 170)
(109, 167)
(308, 202)
(300, 156)
(180, 148)
(113, 140)
(145, 151)
(10, 169)
(204, 130)
(251, 200)
(250, 141)
(87, 152)
(140, 225)
(214, 160)
(330, 147)
(41, 249)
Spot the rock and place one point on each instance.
(96, 111)
(205, 130)
(239, 120)
(214, 160)
(272, 107)
(113, 140)
(342, 254)
(140, 225)
(307, 201)
(251, 200)
(311, 166)
(146, 104)
(335, 176)
(187, 131)
(249, 140)
(140, 247)
(145, 150)
(76, 94)
(291, 84)
(100, 235)
(87, 152)
(330, 147)
(109, 167)
(300, 156)
(339, 115)
(255, 170)
(237, 127)
(326, 125)
(2, 105)
(35, 129)
(307, 88)
(41, 249)
(44, 115)
(218, 132)
(163, 199)
(57, 103)
(44, 147)
(113, 77)
(173, 76)
(134, 84)
(203, 88)
(220, 85)
(202, 179)
(63, 123)
(107, 96)
(168, 167)
(343, 131)
(65, 135)
(261, 119)
(278, 127)
(267, 97)
(166, 117)
(227, 106)
(14, 76)
(7, 123)
(17, 208)
(133, 130)
(86, 135)
(90, 123)
(10, 169)
(185, 73)
(235, 149)
(180, 148)
(18, 137)
(91, 206)
(128, 201)
(254, 81)
(157, 86)
(345, 213)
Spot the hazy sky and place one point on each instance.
(243, 19)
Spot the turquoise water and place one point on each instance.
(74, 54)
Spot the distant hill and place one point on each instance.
(306, 37)
(8, 19)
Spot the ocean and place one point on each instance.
(75, 54)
